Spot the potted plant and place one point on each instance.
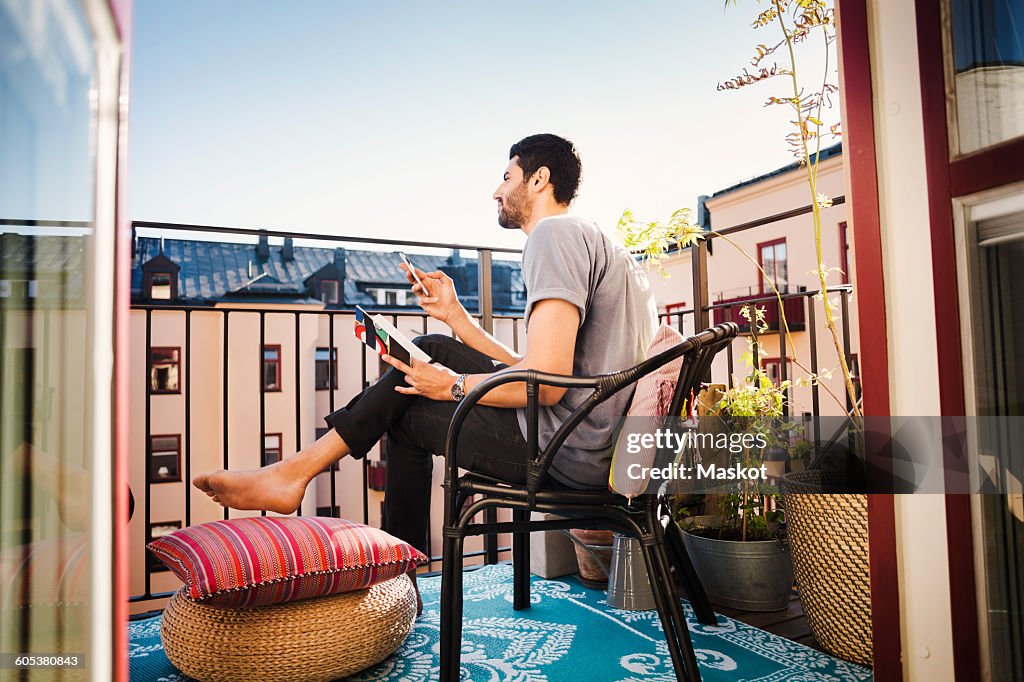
(737, 550)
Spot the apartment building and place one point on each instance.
(766, 224)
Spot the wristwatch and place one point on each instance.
(459, 388)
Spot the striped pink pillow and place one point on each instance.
(650, 404)
(256, 561)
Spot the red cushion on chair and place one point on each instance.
(257, 561)
(649, 406)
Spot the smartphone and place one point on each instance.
(412, 269)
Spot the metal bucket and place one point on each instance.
(628, 585)
(753, 576)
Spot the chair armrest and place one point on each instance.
(604, 385)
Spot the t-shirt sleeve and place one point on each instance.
(559, 267)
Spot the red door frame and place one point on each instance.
(121, 11)
(859, 130)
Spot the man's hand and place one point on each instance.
(439, 300)
(430, 380)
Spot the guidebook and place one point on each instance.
(383, 337)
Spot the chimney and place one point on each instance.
(263, 248)
(703, 214)
(340, 258)
(288, 250)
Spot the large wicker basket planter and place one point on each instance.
(315, 639)
(828, 536)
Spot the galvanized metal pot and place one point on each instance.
(753, 576)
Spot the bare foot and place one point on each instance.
(272, 488)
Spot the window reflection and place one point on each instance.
(47, 185)
(988, 61)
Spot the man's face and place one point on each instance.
(513, 199)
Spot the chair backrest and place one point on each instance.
(696, 370)
(698, 352)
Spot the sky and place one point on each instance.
(394, 119)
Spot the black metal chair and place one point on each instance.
(640, 517)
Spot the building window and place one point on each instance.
(388, 297)
(772, 259)
(773, 368)
(161, 286)
(164, 459)
(158, 530)
(330, 291)
(163, 370)
(19, 288)
(271, 448)
(271, 368)
(326, 366)
(334, 511)
(844, 252)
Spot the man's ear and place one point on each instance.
(540, 179)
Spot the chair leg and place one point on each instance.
(677, 636)
(676, 550)
(451, 608)
(520, 563)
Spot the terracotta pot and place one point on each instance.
(592, 573)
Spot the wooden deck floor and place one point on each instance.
(790, 623)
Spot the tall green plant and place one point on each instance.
(796, 21)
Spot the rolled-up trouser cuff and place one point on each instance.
(358, 441)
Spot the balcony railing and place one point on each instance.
(241, 327)
(245, 327)
(730, 309)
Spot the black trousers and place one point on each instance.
(490, 440)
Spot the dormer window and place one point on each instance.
(161, 289)
(330, 292)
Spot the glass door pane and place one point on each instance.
(47, 186)
(999, 370)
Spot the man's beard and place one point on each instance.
(514, 212)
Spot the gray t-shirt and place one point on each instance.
(569, 258)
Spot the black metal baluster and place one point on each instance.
(331, 470)
(783, 374)
(844, 298)
(149, 438)
(188, 418)
(224, 368)
(815, 388)
(298, 399)
(263, 392)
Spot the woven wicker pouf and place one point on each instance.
(315, 639)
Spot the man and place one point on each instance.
(589, 310)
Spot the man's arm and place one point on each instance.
(551, 345)
(442, 303)
(477, 338)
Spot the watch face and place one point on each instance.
(458, 389)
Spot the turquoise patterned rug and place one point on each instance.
(569, 633)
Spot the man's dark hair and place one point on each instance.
(558, 155)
